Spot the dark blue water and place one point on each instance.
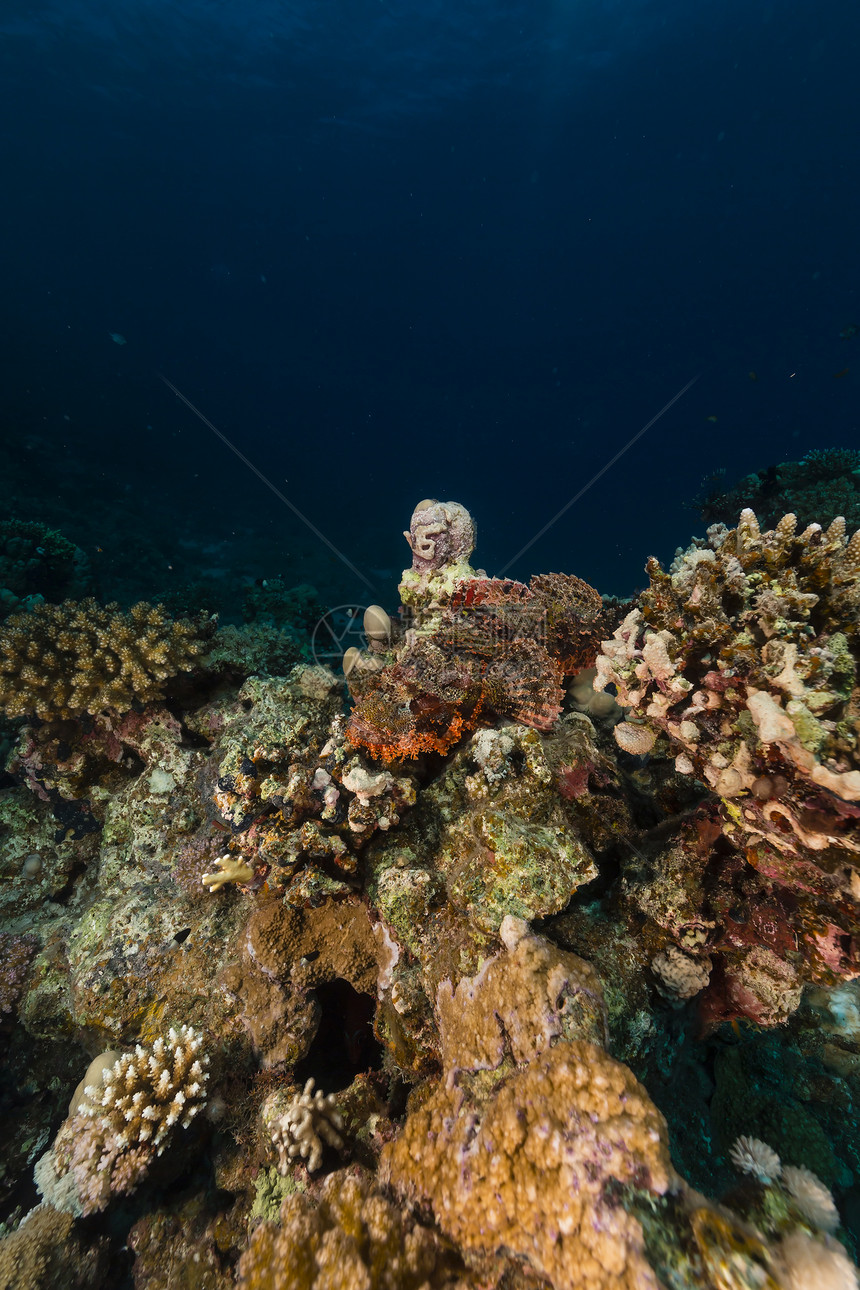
(396, 250)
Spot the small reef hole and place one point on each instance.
(344, 1045)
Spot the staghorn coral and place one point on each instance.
(744, 659)
(118, 1129)
(474, 648)
(80, 657)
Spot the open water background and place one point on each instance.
(395, 250)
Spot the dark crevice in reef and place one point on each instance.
(344, 1045)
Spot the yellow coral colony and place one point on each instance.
(81, 657)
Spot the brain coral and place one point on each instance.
(81, 657)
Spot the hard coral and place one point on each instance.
(745, 657)
(311, 1119)
(111, 1140)
(289, 787)
(80, 657)
(45, 1253)
(824, 484)
(532, 1134)
(37, 562)
(352, 1238)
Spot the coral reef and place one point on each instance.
(744, 657)
(824, 484)
(456, 1010)
(37, 563)
(79, 657)
(271, 602)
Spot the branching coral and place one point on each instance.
(311, 1119)
(80, 657)
(110, 1142)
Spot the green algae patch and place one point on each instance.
(270, 1188)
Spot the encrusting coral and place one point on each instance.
(46, 1253)
(81, 657)
(118, 1129)
(351, 1238)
